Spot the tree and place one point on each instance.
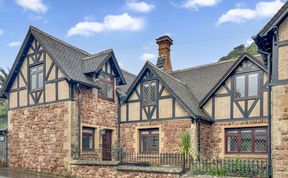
(239, 50)
(3, 102)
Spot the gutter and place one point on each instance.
(269, 58)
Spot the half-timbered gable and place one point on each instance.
(35, 78)
(151, 98)
(241, 94)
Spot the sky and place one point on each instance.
(202, 30)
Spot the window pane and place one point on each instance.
(153, 92)
(144, 144)
(232, 144)
(102, 90)
(240, 86)
(146, 93)
(40, 80)
(155, 143)
(260, 143)
(246, 141)
(253, 85)
(34, 81)
(110, 91)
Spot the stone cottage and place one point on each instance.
(66, 104)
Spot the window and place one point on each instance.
(149, 93)
(36, 77)
(106, 83)
(246, 85)
(88, 139)
(149, 141)
(246, 140)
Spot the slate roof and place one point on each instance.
(129, 77)
(202, 79)
(72, 61)
(68, 57)
(92, 63)
(274, 19)
(181, 90)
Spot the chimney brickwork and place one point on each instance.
(164, 60)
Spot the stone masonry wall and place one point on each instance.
(39, 137)
(279, 131)
(205, 140)
(169, 133)
(217, 143)
(98, 111)
(112, 172)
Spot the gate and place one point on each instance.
(3, 145)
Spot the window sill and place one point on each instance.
(246, 98)
(248, 156)
(105, 98)
(36, 90)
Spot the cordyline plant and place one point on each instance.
(186, 146)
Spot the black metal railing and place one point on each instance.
(215, 167)
(153, 159)
(229, 167)
(100, 155)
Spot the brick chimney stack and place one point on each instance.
(164, 61)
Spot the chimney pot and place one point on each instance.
(164, 42)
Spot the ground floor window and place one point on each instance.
(88, 135)
(246, 140)
(149, 140)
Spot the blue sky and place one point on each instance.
(202, 30)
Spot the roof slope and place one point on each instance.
(92, 63)
(181, 91)
(129, 77)
(202, 79)
(274, 19)
(69, 58)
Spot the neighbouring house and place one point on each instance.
(223, 105)
(66, 105)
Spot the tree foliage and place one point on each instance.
(3, 102)
(239, 50)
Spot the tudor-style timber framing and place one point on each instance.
(55, 85)
(166, 106)
(223, 105)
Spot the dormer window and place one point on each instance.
(36, 78)
(246, 85)
(106, 83)
(149, 93)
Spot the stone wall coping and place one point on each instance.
(94, 163)
(171, 170)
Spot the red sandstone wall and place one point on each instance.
(169, 134)
(39, 137)
(98, 111)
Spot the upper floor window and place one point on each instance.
(149, 93)
(246, 140)
(106, 83)
(36, 77)
(246, 85)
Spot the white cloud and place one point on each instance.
(196, 4)
(147, 57)
(33, 5)
(1, 32)
(140, 6)
(123, 22)
(13, 44)
(240, 15)
(249, 42)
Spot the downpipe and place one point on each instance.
(79, 120)
(269, 58)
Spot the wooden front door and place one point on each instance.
(107, 145)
